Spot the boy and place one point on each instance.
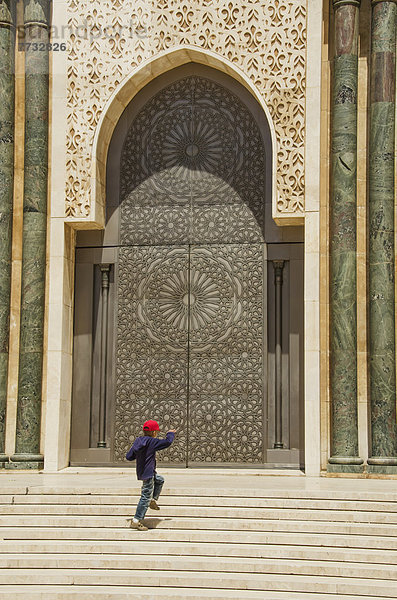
(144, 451)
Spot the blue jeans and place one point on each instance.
(151, 488)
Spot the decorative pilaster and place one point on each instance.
(7, 99)
(105, 270)
(36, 20)
(278, 266)
(381, 238)
(343, 278)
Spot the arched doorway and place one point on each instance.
(178, 285)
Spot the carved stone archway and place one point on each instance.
(161, 64)
(189, 176)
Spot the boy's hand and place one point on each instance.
(171, 431)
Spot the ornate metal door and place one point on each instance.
(191, 350)
(182, 312)
(190, 333)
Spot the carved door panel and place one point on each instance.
(152, 345)
(190, 350)
(226, 354)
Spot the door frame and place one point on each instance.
(109, 238)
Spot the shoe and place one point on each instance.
(153, 505)
(139, 525)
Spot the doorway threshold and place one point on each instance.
(285, 472)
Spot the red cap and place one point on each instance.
(151, 426)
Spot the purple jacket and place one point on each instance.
(144, 451)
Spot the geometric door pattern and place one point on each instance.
(190, 313)
(152, 348)
(226, 354)
(190, 350)
(193, 169)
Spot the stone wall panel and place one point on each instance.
(111, 38)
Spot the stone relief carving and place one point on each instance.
(266, 40)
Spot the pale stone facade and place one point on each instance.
(280, 53)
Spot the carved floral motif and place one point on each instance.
(266, 40)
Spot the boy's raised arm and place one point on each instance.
(169, 438)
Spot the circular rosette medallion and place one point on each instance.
(192, 153)
(200, 303)
(193, 169)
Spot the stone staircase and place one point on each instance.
(58, 543)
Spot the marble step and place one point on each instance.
(211, 580)
(279, 546)
(217, 492)
(214, 549)
(197, 523)
(199, 563)
(203, 511)
(224, 501)
(293, 537)
(59, 592)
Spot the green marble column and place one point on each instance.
(27, 455)
(343, 278)
(7, 98)
(382, 365)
